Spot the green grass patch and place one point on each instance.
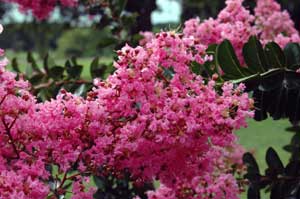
(259, 136)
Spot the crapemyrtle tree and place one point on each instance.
(165, 116)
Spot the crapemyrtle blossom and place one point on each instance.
(270, 28)
(153, 117)
(67, 132)
(236, 24)
(41, 8)
(170, 125)
(19, 176)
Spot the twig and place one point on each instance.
(8, 128)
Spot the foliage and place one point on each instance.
(110, 23)
(268, 74)
(48, 78)
(40, 37)
(271, 74)
(282, 181)
(84, 42)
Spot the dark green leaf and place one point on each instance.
(75, 71)
(275, 56)
(272, 80)
(196, 68)
(36, 79)
(228, 60)
(46, 63)
(253, 193)
(68, 64)
(292, 53)
(261, 104)
(211, 49)
(249, 71)
(274, 163)
(15, 65)
(277, 191)
(74, 61)
(99, 182)
(96, 69)
(252, 167)
(31, 60)
(254, 55)
(56, 72)
(107, 41)
(293, 168)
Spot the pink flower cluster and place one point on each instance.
(236, 24)
(41, 8)
(153, 117)
(176, 121)
(270, 28)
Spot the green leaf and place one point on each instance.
(211, 67)
(212, 49)
(275, 56)
(274, 163)
(253, 173)
(75, 71)
(277, 191)
(74, 61)
(292, 53)
(96, 69)
(275, 87)
(56, 72)
(248, 71)
(68, 64)
(15, 65)
(261, 104)
(253, 193)
(293, 168)
(107, 41)
(99, 182)
(254, 55)
(196, 68)
(271, 80)
(36, 79)
(228, 61)
(46, 63)
(28, 71)
(31, 60)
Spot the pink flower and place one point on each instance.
(235, 23)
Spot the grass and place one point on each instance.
(259, 136)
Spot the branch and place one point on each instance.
(59, 83)
(11, 140)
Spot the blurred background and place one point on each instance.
(87, 32)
